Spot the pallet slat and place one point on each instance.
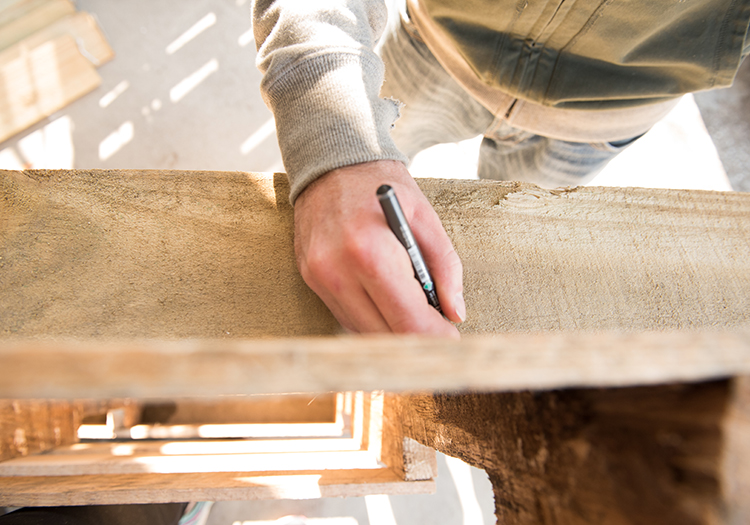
(84, 30)
(210, 255)
(152, 369)
(21, 19)
(37, 81)
(220, 486)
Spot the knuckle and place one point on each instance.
(452, 261)
(317, 265)
(449, 263)
(358, 252)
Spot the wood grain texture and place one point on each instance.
(168, 369)
(591, 258)
(103, 462)
(410, 459)
(82, 27)
(37, 81)
(657, 455)
(23, 19)
(194, 254)
(220, 486)
(735, 465)
(113, 254)
(30, 426)
(579, 287)
(124, 255)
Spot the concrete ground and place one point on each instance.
(182, 93)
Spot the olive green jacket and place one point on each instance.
(589, 54)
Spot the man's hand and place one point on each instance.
(349, 257)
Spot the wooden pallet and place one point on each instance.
(602, 376)
(343, 454)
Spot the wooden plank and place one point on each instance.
(199, 254)
(657, 455)
(30, 427)
(253, 421)
(255, 464)
(344, 443)
(166, 369)
(125, 254)
(220, 431)
(175, 255)
(735, 465)
(204, 447)
(409, 458)
(598, 258)
(36, 82)
(82, 27)
(20, 18)
(289, 408)
(167, 488)
(23, 19)
(12, 10)
(33, 426)
(7, 7)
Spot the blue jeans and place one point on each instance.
(438, 110)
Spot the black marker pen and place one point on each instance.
(397, 222)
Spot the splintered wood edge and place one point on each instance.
(187, 368)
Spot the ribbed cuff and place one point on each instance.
(329, 115)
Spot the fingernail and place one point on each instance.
(461, 306)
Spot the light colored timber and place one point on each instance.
(234, 430)
(168, 254)
(164, 369)
(29, 426)
(13, 10)
(151, 254)
(643, 285)
(23, 19)
(218, 486)
(342, 421)
(37, 81)
(89, 39)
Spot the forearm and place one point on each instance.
(322, 81)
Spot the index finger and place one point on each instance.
(399, 297)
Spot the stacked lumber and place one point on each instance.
(48, 58)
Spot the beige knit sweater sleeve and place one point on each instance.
(321, 80)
